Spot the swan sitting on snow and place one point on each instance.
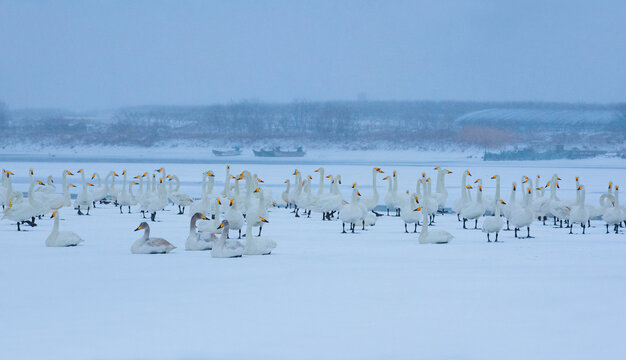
(61, 238)
(195, 242)
(225, 247)
(258, 245)
(432, 236)
(147, 245)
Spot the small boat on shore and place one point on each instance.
(277, 152)
(235, 151)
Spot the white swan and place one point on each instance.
(195, 242)
(285, 195)
(351, 213)
(61, 238)
(147, 245)
(474, 210)
(493, 224)
(258, 245)
(579, 213)
(613, 215)
(178, 197)
(225, 247)
(461, 202)
(408, 215)
(258, 211)
(124, 197)
(158, 201)
(234, 217)
(23, 211)
(370, 202)
(441, 193)
(522, 214)
(432, 236)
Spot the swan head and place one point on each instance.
(54, 213)
(448, 172)
(502, 202)
(610, 185)
(358, 193)
(477, 180)
(616, 187)
(514, 187)
(576, 178)
(580, 187)
(353, 185)
(231, 202)
(223, 224)
(210, 173)
(295, 172)
(468, 173)
(90, 184)
(287, 181)
(436, 167)
(480, 188)
(495, 176)
(115, 174)
(159, 170)
(39, 182)
(259, 180)
(328, 176)
(135, 183)
(318, 170)
(143, 225)
(259, 189)
(418, 209)
(124, 172)
(219, 201)
(264, 220)
(557, 186)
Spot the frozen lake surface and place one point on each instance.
(321, 294)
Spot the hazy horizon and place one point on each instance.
(105, 55)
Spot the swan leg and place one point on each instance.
(309, 214)
(363, 225)
(415, 230)
(488, 238)
(616, 228)
(143, 213)
(387, 211)
(260, 228)
(476, 224)
(464, 220)
(607, 228)
(496, 237)
(353, 226)
(516, 232)
(343, 226)
(589, 222)
(458, 216)
(583, 228)
(79, 212)
(561, 224)
(528, 234)
(570, 229)
(88, 208)
(544, 220)
(129, 209)
(554, 220)
(18, 226)
(152, 216)
(297, 209)
(121, 209)
(405, 229)
(239, 233)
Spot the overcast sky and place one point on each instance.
(102, 54)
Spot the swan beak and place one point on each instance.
(328, 176)
(318, 170)
(449, 172)
(416, 199)
(418, 209)
(468, 173)
(135, 183)
(53, 214)
(514, 187)
(138, 228)
(231, 202)
(502, 202)
(210, 173)
(436, 167)
(493, 177)
(219, 201)
(90, 184)
(72, 185)
(386, 178)
(221, 226)
(358, 193)
(580, 188)
(40, 183)
(477, 180)
(286, 181)
(263, 219)
(203, 217)
(558, 178)
(480, 188)
(302, 183)
(10, 204)
(31, 171)
(257, 189)
(339, 181)
(114, 173)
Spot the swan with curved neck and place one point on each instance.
(61, 238)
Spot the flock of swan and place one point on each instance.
(245, 206)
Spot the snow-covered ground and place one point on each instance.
(320, 295)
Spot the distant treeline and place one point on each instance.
(356, 124)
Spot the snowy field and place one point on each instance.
(376, 294)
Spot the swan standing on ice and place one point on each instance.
(179, 198)
(194, 240)
(474, 209)
(409, 216)
(234, 217)
(61, 238)
(493, 224)
(613, 215)
(441, 193)
(83, 199)
(522, 215)
(125, 198)
(432, 236)
(579, 213)
(23, 211)
(370, 202)
(351, 213)
(285, 194)
(460, 203)
(225, 247)
(147, 245)
(258, 245)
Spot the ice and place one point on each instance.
(320, 295)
